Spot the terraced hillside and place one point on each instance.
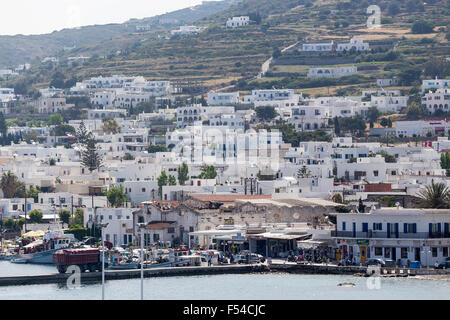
(220, 57)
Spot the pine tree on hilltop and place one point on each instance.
(90, 158)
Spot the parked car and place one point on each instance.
(389, 263)
(444, 265)
(376, 262)
(89, 241)
(244, 257)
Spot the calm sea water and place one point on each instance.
(234, 287)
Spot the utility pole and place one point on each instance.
(26, 205)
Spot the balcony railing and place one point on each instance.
(392, 235)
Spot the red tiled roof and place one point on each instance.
(227, 198)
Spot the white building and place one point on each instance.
(107, 114)
(103, 99)
(422, 127)
(186, 30)
(305, 118)
(52, 105)
(223, 98)
(236, 22)
(387, 82)
(398, 234)
(434, 84)
(270, 95)
(354, 44)
(438, 100)
(318, 47)
(332, 72)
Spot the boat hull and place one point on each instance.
(124, 267)
(45, 257)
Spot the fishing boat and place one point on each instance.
(41, 251)
(122, 260)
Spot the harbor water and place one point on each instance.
(228, 287)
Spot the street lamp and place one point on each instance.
(142, 227)
(103, 226)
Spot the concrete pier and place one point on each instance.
(132, 274)
(292, 268)
(316, 269)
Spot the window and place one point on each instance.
(445, 251)
(365, 227)
(155, 237)
(378, 251)
(410, 228)
(404, 253)
(140, 219)
(387, 253)
(343, 226)
(377, 226)
(434, 252)
(110, 217)
(171, 230)
(191, 229)
(375, 173)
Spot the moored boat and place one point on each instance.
(41, 251)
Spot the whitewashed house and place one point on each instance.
(236, 22)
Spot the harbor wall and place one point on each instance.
(132, 274)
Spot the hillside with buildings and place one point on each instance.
(213, 53)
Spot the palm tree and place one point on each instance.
(436, 196)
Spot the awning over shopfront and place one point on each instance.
(279, 236)
(308, 244)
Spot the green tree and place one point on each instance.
(208, 172)
(30, 137)
(128, 157)
(337, 126)
(361, 206)
(163, 180)
(388, 158)
(445, 162)
(64, 216)
(156, 148)
(266, 113)
(393, 9)
(58, 80)
(9, 224)
(3, 130)
(436, 196)
(11, 186)
(116, 196)
(172, 181)
(90, 158)
(83, 135)
(183, 174)
(111, 126)
(78, 218)
(62, 130)
(372, 114)
(55, 119)
(337, 198)
(420, 27)
(36, 216)
(415, 111)
(33, 193)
